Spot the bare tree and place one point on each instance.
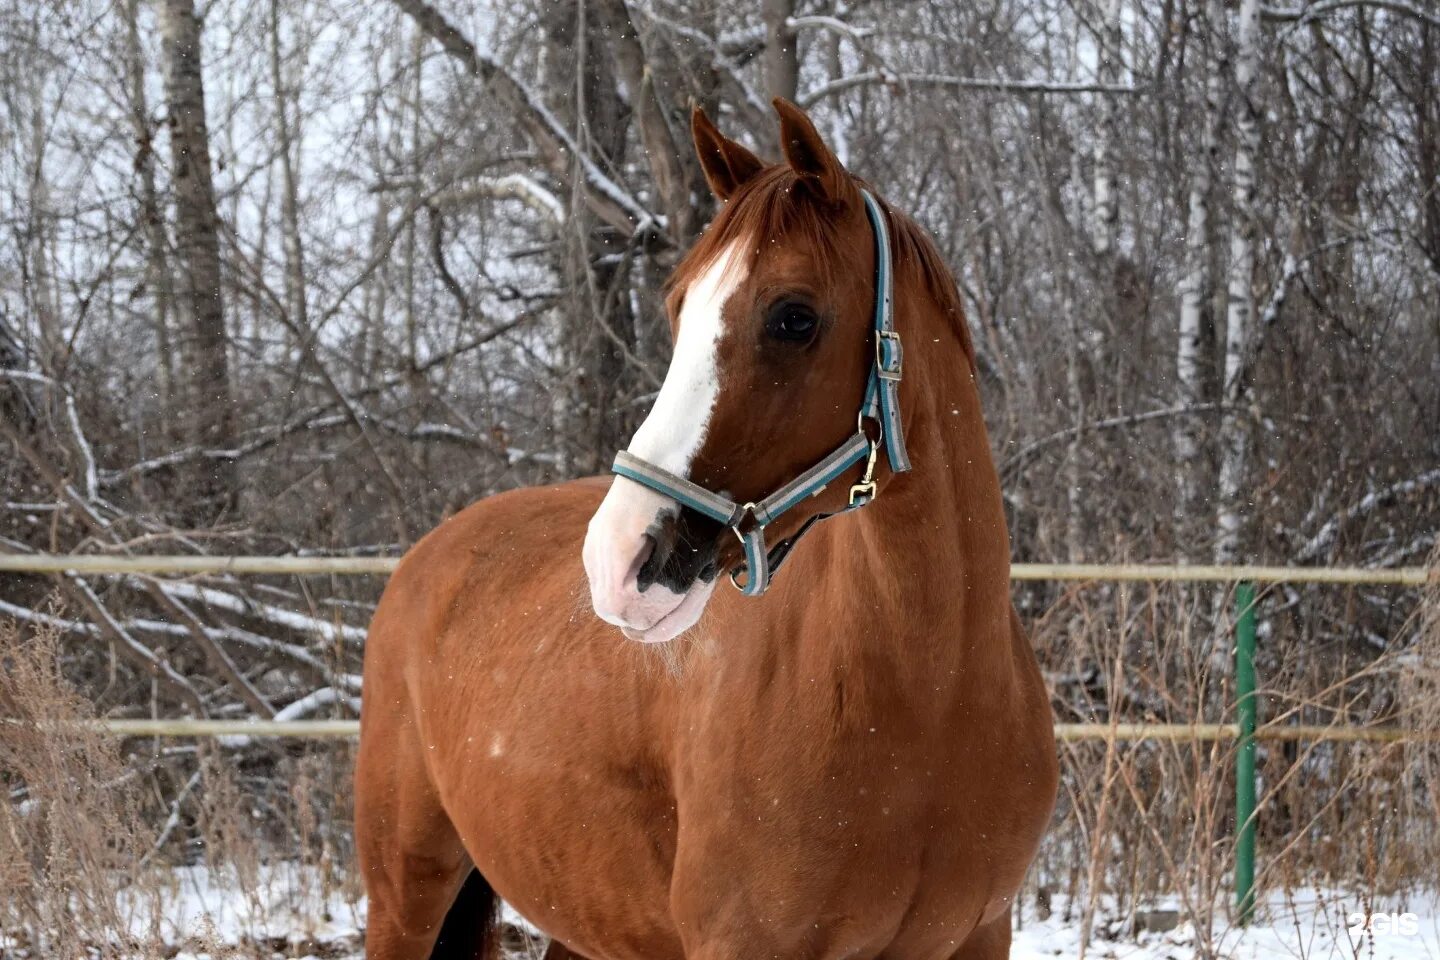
(1195, 338)
(1235, 423)
(209, 412)
(782, 53)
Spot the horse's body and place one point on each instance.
(858, 765)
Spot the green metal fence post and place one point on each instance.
(1245, 753)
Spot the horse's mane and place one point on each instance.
(770, 206)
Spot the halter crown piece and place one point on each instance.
(880, 407)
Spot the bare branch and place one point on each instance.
(130, 648)
(723, 52)
(1029, 451)
(997, 85)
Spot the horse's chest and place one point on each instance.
(864, 836)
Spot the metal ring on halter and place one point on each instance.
(745, 510)
(735, 573)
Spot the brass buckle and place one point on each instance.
(882, 371)
(866, 487)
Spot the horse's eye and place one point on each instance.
(792, 322)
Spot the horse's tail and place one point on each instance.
(470, 930)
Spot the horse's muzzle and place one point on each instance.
(651, 566)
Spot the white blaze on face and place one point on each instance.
(671, 436)
(615, 544)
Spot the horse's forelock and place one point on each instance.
(773, 207)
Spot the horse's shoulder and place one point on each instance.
(526, 532)
(553, 515)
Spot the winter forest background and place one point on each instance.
(309, 276)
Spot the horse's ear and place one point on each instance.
(808, 155)
(727, 164)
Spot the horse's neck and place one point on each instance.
(925, 568)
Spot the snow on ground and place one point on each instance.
(291, 914)
(283, 906)
(1310, 925)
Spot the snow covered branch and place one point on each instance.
(511, 186)
(222, 600)
(833, 24)
(606, 198)
(1303, 15)
(1324, 540)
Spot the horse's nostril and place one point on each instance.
(684, 552)
(662, 535)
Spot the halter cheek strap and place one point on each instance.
(881, 407)
(882, 394)
(749, 520)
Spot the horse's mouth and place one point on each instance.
(681, 617)
(651, 567)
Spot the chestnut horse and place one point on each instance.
(858, 763)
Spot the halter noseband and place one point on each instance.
(881, 407)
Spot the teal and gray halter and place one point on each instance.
(881, 407)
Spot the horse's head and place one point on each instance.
(771, 313)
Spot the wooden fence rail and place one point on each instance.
(375, 566)
(1064, 732)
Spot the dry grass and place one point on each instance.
(73, 822)
(1419, 682)
(1140, 823)
(136, 849)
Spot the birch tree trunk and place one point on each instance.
(197, 244)
(1196, 291)
(409, 248)
(1234, 425)
(365, 359)
(44, 301)
(1074, 498)
(289, 192)
(157, 261)
(1104, 221)
(1106, 211)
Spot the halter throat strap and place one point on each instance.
(881, 407)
